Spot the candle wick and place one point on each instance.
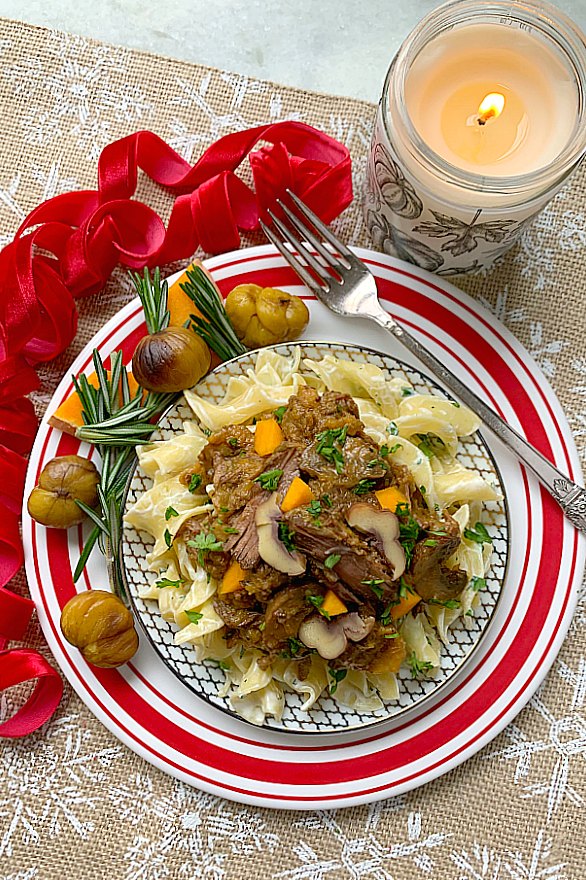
(480, 120)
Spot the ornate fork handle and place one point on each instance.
(570, 496)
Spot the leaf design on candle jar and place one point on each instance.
(397, 192)
(397, 244)
(464, 236)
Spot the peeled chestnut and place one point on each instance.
(170, 360)
(265, 315)
(101, 626)
(62, 480)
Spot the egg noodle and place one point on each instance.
(391, 410)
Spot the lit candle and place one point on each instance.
(482, 119)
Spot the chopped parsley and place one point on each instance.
(262, 625)
(430, 542)
(233, 442)
(165, 582)
(170, 512)
(286, 536)
(406, 391)
(478, 534)
(395, 448)
(329, 446)
(332, 560)
(279, 413)
(337, 676)
(423, 490)
(168, 538)
(477, 584)
(294, 646)
(446, 603)
(221, 663)
(314, 509)
(375, 586)
(392, 429)
(317, 602)
(363, 487)
(205, 542)
(327, 500)
(195, 482)
(404, 588)
(455, 403)
(430, 444)
(270, 479)
(418, 666)
(391, 635)
(230, 530)
(194, 616)
(408, 531)
(386, 617)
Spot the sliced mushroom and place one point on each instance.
(383, 527)
(330, 637)
(356, 627)
(270, 548)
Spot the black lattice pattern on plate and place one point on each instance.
(206, 679)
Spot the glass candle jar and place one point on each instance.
(481, 120)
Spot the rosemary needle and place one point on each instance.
(215, 327)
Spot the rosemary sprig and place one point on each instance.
(215, 327)
(116, 422)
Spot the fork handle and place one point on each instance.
(570, 496)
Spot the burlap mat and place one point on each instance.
(74, 802)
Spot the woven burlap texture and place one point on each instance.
(76, 803)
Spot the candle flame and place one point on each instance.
(490, 107)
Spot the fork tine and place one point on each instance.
(331, 259)
(292, 239)
(328, 235)
(295, 264)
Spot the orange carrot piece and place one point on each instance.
(405, 604)
(332, 605)
(267, 437)
(390, 498)
(232, 579)
(297, 495)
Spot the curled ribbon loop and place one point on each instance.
(84, 236)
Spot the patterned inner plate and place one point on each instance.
(206, 679)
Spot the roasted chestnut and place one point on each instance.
(101, 626)
(265, 315)
(62, 480)
(170, 360)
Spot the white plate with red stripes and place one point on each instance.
(147, 707)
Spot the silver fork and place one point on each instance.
(344, 284)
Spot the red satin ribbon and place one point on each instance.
(84, 236)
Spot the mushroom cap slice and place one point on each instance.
(270, 548)
(383, 527)
(327, 637)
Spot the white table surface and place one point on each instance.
(338, 46)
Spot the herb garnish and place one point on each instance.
(287, 536)
(279, 413)
(194, 616)
(375, 586)
(233, 442)
(270, 479)
(327, 500)
(213, 325)
(408, 531)
(294, 646)
(168, 538)
(230, 530)
(385, 617)
(404, 588)
(205, 542)
(406, 392)
(391, 635)
(418, 666)
(430, 542)
(447, 603)
(392, 429)
(395, 448)
(478, 534)
(195, 482)
(332, 560)
(363, 487)
(170, 512)
(314, 509)
(329, 445)
(165, 582)
(337, 675)
(477, 584)
(317, 602)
